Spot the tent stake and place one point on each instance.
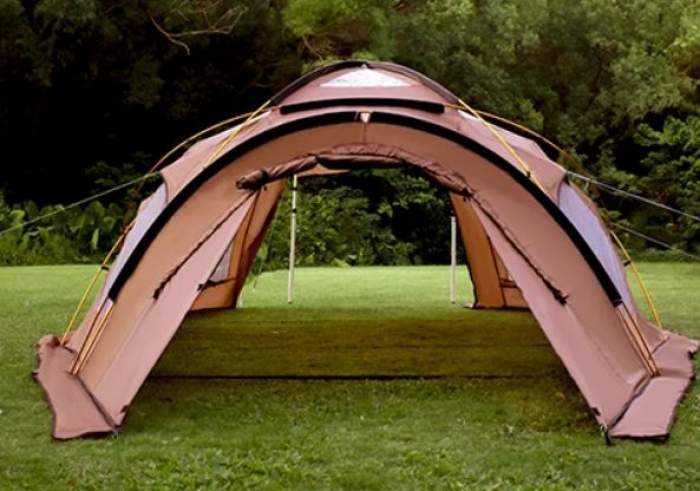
(453, 259)
(292, 241)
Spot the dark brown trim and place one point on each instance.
(427, 106)
(377, 117)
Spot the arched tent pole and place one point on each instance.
(571, 158)
(292, 241)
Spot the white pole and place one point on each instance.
(292, 240)
(453, 259)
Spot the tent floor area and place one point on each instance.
(502, 413)
(377, 322)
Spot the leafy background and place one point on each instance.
(93, 92)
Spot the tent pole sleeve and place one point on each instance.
(453, 259)
(292, 241)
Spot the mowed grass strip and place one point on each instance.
(506, 416)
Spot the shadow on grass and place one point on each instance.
(359, 343)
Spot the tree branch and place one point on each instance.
(169, 36)
(200, 17)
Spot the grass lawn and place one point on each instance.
(507, 415)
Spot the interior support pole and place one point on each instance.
(292, 241)
(453, 259)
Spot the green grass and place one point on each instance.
(507, 417)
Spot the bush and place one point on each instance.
(379, 216)
(76, 235)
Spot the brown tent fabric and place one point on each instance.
(493, 286)
(528, 245)
(223, 291)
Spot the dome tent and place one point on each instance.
(533, 240)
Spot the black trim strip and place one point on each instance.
(431, 107)
(377, 117)
(192, 186)
(520, 178)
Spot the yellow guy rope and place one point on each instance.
(217, 153)
(525, 168)
(642, 286)
(194, 137)
(527, 130)
(90, 342)
(248, 117)
(638, 339)
(623, 249)
(92, 283)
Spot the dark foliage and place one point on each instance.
(93, 92)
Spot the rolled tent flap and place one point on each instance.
(353, 157)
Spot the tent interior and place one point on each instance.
(230, 287)
(532, 239)
(493, 286)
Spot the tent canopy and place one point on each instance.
(532, 240)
